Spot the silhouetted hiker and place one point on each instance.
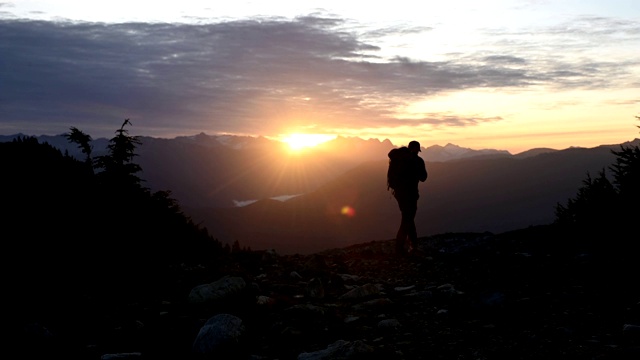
(405, 190)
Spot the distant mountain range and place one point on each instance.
(351, 144)
(467, 190)
(223, 171)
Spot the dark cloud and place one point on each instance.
(246, 77)
(444, 120)
(505, 59)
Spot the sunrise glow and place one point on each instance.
(301, 141)
(489, 78)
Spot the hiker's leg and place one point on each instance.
(412, 235)
(410, 224)
(401, 235)
(407, 225)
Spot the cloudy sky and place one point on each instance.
(500, 74)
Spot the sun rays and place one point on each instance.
(299, 142)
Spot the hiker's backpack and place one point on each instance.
(398, 167)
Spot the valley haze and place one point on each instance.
(336, 195)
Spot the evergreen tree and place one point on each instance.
(602, 206)
(626, 173)
(116, 169)
(84, 143)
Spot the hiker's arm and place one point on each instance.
(422, 174)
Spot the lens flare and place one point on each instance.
(348, 211)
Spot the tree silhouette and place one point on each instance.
(142, 234)
(626, 173)
(117, 168)
(84, 143)
(602, 206)
(592, 204)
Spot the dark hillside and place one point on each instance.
(80, 251)
(504, 194)
(518, 295)
(101, 269)
(471, 195)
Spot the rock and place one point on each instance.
(340, 350)
(223, 288)
(221, 335)
(361, 292)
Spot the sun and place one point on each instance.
(299, 142)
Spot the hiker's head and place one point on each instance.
(414, 146)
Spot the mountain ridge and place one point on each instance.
(434, 152)
(488, 191)
(239, 142)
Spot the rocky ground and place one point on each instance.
(459, 296)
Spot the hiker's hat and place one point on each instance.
(414, 145)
